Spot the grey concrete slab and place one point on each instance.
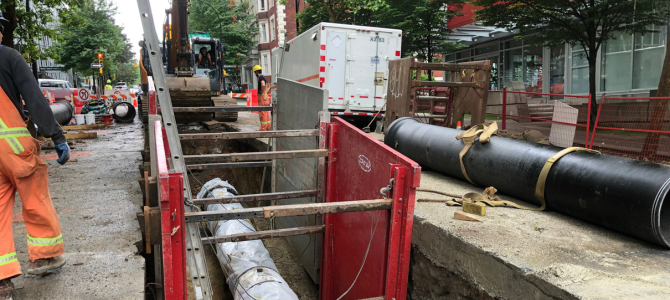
(97, 198)
(520, 254)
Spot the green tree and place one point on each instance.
(96, 34)
(128, 73)
(585, 23)
(359, 12)
(424, 25)
(235, 31)
(40, 22)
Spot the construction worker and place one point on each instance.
(263, 83)
(23, 171)
(109, 85)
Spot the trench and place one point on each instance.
(246, 181)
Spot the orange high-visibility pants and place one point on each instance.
(266, 122)
(22, 170)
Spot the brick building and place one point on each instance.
(273, 21)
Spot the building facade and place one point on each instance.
(629, 65)
(274, 21)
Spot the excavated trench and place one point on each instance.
(246, 181)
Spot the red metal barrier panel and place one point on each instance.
(633, 127)
(358, 167)
(171, 196)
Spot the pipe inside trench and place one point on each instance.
(626, 195)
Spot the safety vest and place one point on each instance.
(12, 127)
(108, 87)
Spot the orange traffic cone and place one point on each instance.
(458, 125)
(135, 102)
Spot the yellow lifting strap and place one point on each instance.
(481, 131)
(484, 133)
(539, 187)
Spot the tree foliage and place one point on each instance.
(424, 25)
(236, 31)
(586, 23)
(40, 22)
(127, 72)
(97, 33)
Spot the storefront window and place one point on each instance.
(580, 71)
(486, 48)
(513, 43)
(557, 70)
(615, 71)
(512, 66)
(532, 68)
(647, 58)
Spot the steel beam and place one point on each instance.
(194, 252)
(257, 197)
(202, 109)
(291, 210)
(252, 156)
(448, 66)
(261, 235)
(249, 135)
(258, 164)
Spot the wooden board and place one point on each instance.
(84, 127)
(399, 88)
(75, 136)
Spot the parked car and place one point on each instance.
(121, 86)
(61, 89)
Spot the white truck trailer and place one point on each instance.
(350, 61)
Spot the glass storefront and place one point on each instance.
(557, 70)
(628, 63)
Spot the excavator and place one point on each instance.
(194, 68)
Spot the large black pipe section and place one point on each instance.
(62, 111)
(622, 194)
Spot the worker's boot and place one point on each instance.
(45, 265)
(6, 289)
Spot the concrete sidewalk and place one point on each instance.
(96, 196)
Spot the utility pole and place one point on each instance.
(33, 62)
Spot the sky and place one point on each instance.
(128, 17)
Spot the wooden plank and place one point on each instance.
(75, 136)
(252, 156)
(249, 135)
(84, 127)
(449, 66)
(268, 234)
(444, 84)
(259, 164)
(290, 210)
(257, 197)
(203, 109)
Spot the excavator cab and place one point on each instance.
(208, 61)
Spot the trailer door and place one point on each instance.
(364, 62)
(335, 64)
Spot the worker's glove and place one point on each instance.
(63, 151)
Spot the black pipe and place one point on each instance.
(126, 117)
(62, 111)
(622, 194)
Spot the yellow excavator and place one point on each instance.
(194, 68)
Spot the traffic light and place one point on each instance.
(99, 56)
(135, 65)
